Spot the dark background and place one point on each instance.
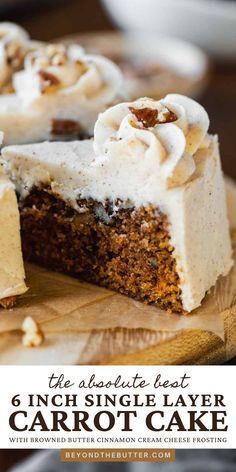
(46, 20)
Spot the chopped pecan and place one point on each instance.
(65, 127)
(14, 54)
(47, 80)
(59, 59)
(150, 117)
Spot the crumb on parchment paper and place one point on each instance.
(8, 302)
(33, 335)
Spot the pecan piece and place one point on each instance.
(149, 117)
(47, 80)
(65, 127)
(14, 54)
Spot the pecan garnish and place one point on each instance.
(65, 127)
(47, 80)
(150, 117)
(14, 54)
(8, 302)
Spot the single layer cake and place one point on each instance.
(140, 209)
(58, 94)
(12, 275)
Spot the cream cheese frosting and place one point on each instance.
(59, 92)
(163, 134)
(12, 45)
(146, 152)
(12, 275)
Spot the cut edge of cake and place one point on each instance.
(149, 160)
(12, 274)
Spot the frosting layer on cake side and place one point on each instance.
(58, 93)
(12, 275)
(146, 153)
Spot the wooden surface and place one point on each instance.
(193, 347)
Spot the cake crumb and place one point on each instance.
(33, 335)
(8, 302)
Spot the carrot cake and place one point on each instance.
(140, 208)
(58, 94)
(12, 275)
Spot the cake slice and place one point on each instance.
(58, 94)
(140, 209)
(12, 275)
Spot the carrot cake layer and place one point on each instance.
(126, 249)
(140, 208)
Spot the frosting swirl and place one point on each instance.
(162, 134)
(57, 70)
(13, 41)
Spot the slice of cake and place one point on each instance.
(12, 275)
(58, 94)
(141, 209)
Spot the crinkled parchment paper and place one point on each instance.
(84, 323)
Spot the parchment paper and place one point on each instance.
(84, 323)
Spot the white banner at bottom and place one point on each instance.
(117, 407)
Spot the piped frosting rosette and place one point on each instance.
(54, 71)
(13, 41)
(162, 135)
(58, 94)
